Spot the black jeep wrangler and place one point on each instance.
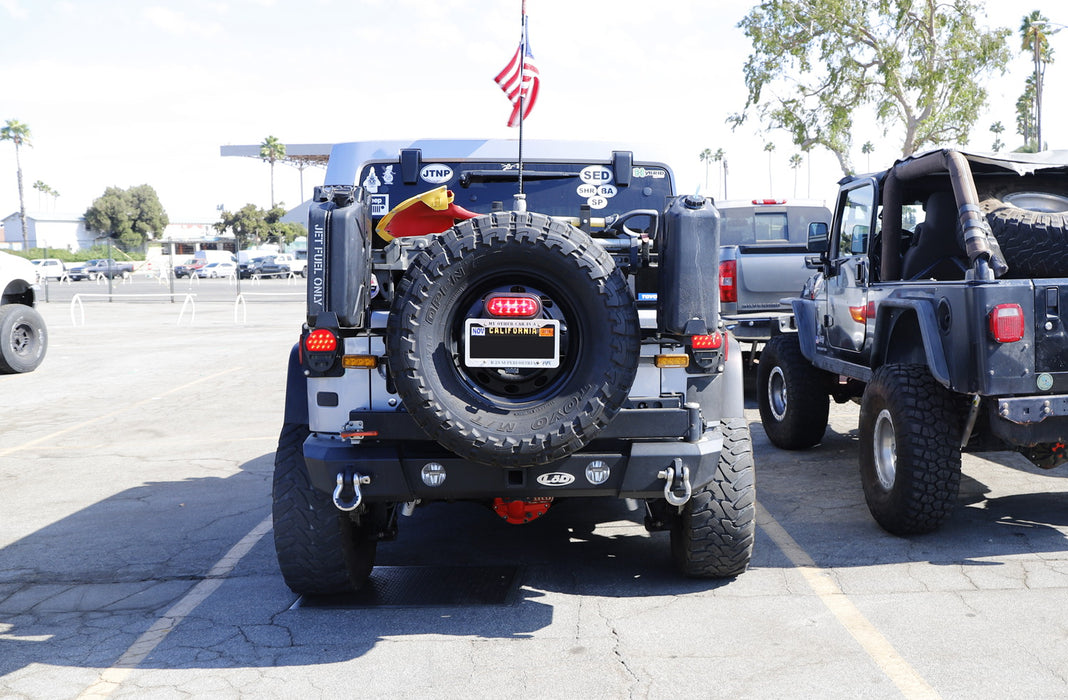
(941, 302)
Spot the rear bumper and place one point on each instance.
(1030, 420)
(395, 470)
(760, 327)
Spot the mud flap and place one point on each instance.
(339, 238)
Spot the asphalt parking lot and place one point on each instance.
(136, 556)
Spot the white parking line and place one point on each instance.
(111, 679)
(908, 681)
(124, 409)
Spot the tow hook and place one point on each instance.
(676, 478)
(354, 482)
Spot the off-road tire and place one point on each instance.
(1034, 243)
(793, 396)
(23, 339)
(450, 401)
(910, 428)
(713, 535)
(321, 551)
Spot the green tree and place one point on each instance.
(921, 65)
(252, 226)
(1034, 34)
(867, 149)
(770, 148)
(997, 128)
(272, 150)
(131, 216)
(1025, 117)
(705, 157)
(795, 164)
(45, 189)
(19, 134)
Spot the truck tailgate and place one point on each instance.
(766, 274)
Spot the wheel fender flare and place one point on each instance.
(890, 312)
(805, 317)
(296, 390)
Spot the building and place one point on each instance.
(43, 230)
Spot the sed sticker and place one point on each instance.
(436, 173)
(595, 175)
(379, 204)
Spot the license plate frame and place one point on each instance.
(512, 342)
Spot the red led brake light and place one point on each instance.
(320, 340)
(1006, 323)
(513, 306)
(769, 201)
(707, 342)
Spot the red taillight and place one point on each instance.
(1007, 323)
(320, 340)
(513, 306)
(769, 201)
(707, 342)
(728, 284)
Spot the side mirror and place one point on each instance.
(818, 236)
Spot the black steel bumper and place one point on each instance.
(395, 470)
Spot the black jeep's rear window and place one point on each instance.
(555, 189)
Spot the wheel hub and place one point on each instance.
(1043, 202)
(884, 446)
(22, 339)
(777, 393)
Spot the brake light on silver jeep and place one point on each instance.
(513, 305)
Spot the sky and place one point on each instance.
(123, 93)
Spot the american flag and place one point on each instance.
(520, 79)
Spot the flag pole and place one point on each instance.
(522, 77)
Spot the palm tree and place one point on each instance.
(705, 157)
(770, 148)
(19, 134)
(867, 149)
(997, 128)
(795, 163)
(272, 150)
(1034, 31)
(720, 157)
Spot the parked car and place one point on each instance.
(246, 269)
(273, 266)
(218, 269)
(188, 268)
(108, 267)
(79, 271)
(23, 335)
(50, 268)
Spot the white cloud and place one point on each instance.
(14, 8)
(178, 24)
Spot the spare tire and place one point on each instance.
(513, 417)
(1029, 219)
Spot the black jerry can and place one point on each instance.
(689, 266)
(339, 254)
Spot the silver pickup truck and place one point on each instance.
(763, 244)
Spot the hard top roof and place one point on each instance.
(346, 159)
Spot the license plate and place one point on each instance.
(507, 342)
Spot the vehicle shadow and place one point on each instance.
(78, 592)
(817, 496)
